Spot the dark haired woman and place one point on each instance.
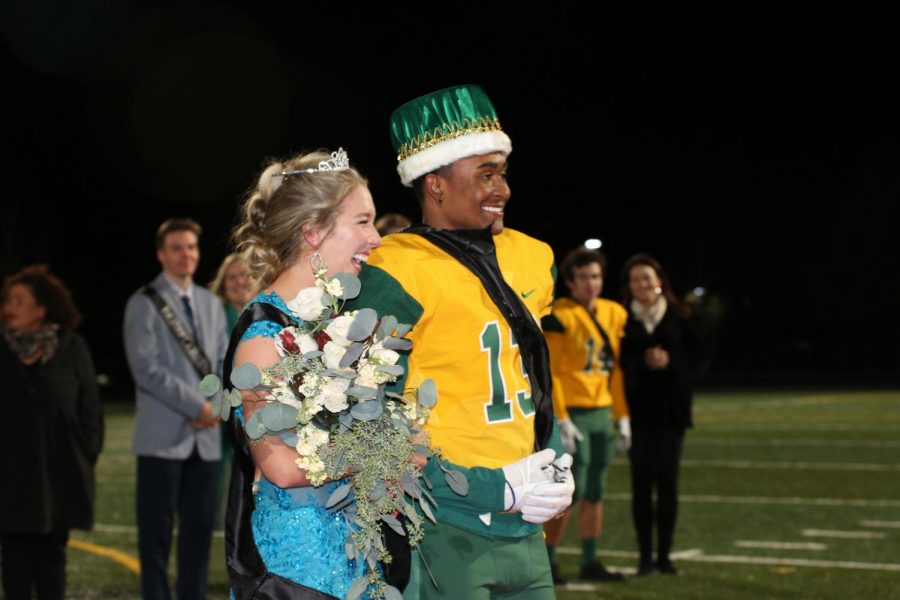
(54, 430)
(658, 350)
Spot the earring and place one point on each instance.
(315, 261)
(440, 201)
(658, 290)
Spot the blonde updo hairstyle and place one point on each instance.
(270, 234)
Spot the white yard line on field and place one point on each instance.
(886, 524)
(775, 500)
(754, 560)
(132, 530)
(788, 442)
(850, 535)
(805, 466)
(780, 545)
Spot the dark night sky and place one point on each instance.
(761, 164)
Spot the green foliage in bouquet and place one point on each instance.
(327, 397)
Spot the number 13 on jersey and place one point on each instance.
(499, 409)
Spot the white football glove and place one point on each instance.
(549, 500)
(623, 439)
(569, 434)
(524, 474)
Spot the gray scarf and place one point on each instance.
(26, 345)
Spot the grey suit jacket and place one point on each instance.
(166, 382)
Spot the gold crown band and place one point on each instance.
(447, 132)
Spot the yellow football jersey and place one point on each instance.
(484, 415)
(580, 377)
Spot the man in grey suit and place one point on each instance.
(174, 331)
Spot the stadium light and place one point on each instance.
(592, 244)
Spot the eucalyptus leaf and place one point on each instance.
(403, 329)
(457, 482)
(345, 419)
(327, 299)
(352, 354)
(410, 487)
(429, 497)
(216, 406)
(394, 524)
(362, 325)
(313, 354)
(246, 376)
(226, 411)
(395, 370)
(392, 593)
(387, 326)
(427, 393)
(394, 395)
(344, 373)
(427, 510)
(427, 481)
(395, 343)
(255, 428)
(338, 495)
(378, 492)
(233, 398)
(350, 285)
(289, 437)
(349, 547)
(209, 385)
(362, 392)
(366, 411)
(277, 417)
(422, 449)
(357, 588)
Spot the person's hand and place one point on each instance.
(524, 474)
(569, 434)
(623, 437)
(204, 419)
(549, 500)
(656, 358)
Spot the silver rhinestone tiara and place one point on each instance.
(339, 161)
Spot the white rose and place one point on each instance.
(334, 288)
(306, 342)
(308, 304)
(333, 395)
(383, 355)
(369, 377)
(333, 355)
(337, 330)
(367, 381)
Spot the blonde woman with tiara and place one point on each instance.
(280, 540)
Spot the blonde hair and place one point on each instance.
(270, 234)
(217, 285)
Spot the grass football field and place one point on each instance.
(784, 494)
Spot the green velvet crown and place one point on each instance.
(444, 126)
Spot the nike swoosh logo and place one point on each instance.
(526, 294)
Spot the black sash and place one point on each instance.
(192, 350)
(475, 250)
(248, 574)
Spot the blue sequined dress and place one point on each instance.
(297, 537)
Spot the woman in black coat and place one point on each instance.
(658, 350)
(52, 436)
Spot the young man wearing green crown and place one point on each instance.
(474, 292)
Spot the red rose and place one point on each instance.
(288, 342)
(322, 338)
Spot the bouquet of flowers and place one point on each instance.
(327, 397)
